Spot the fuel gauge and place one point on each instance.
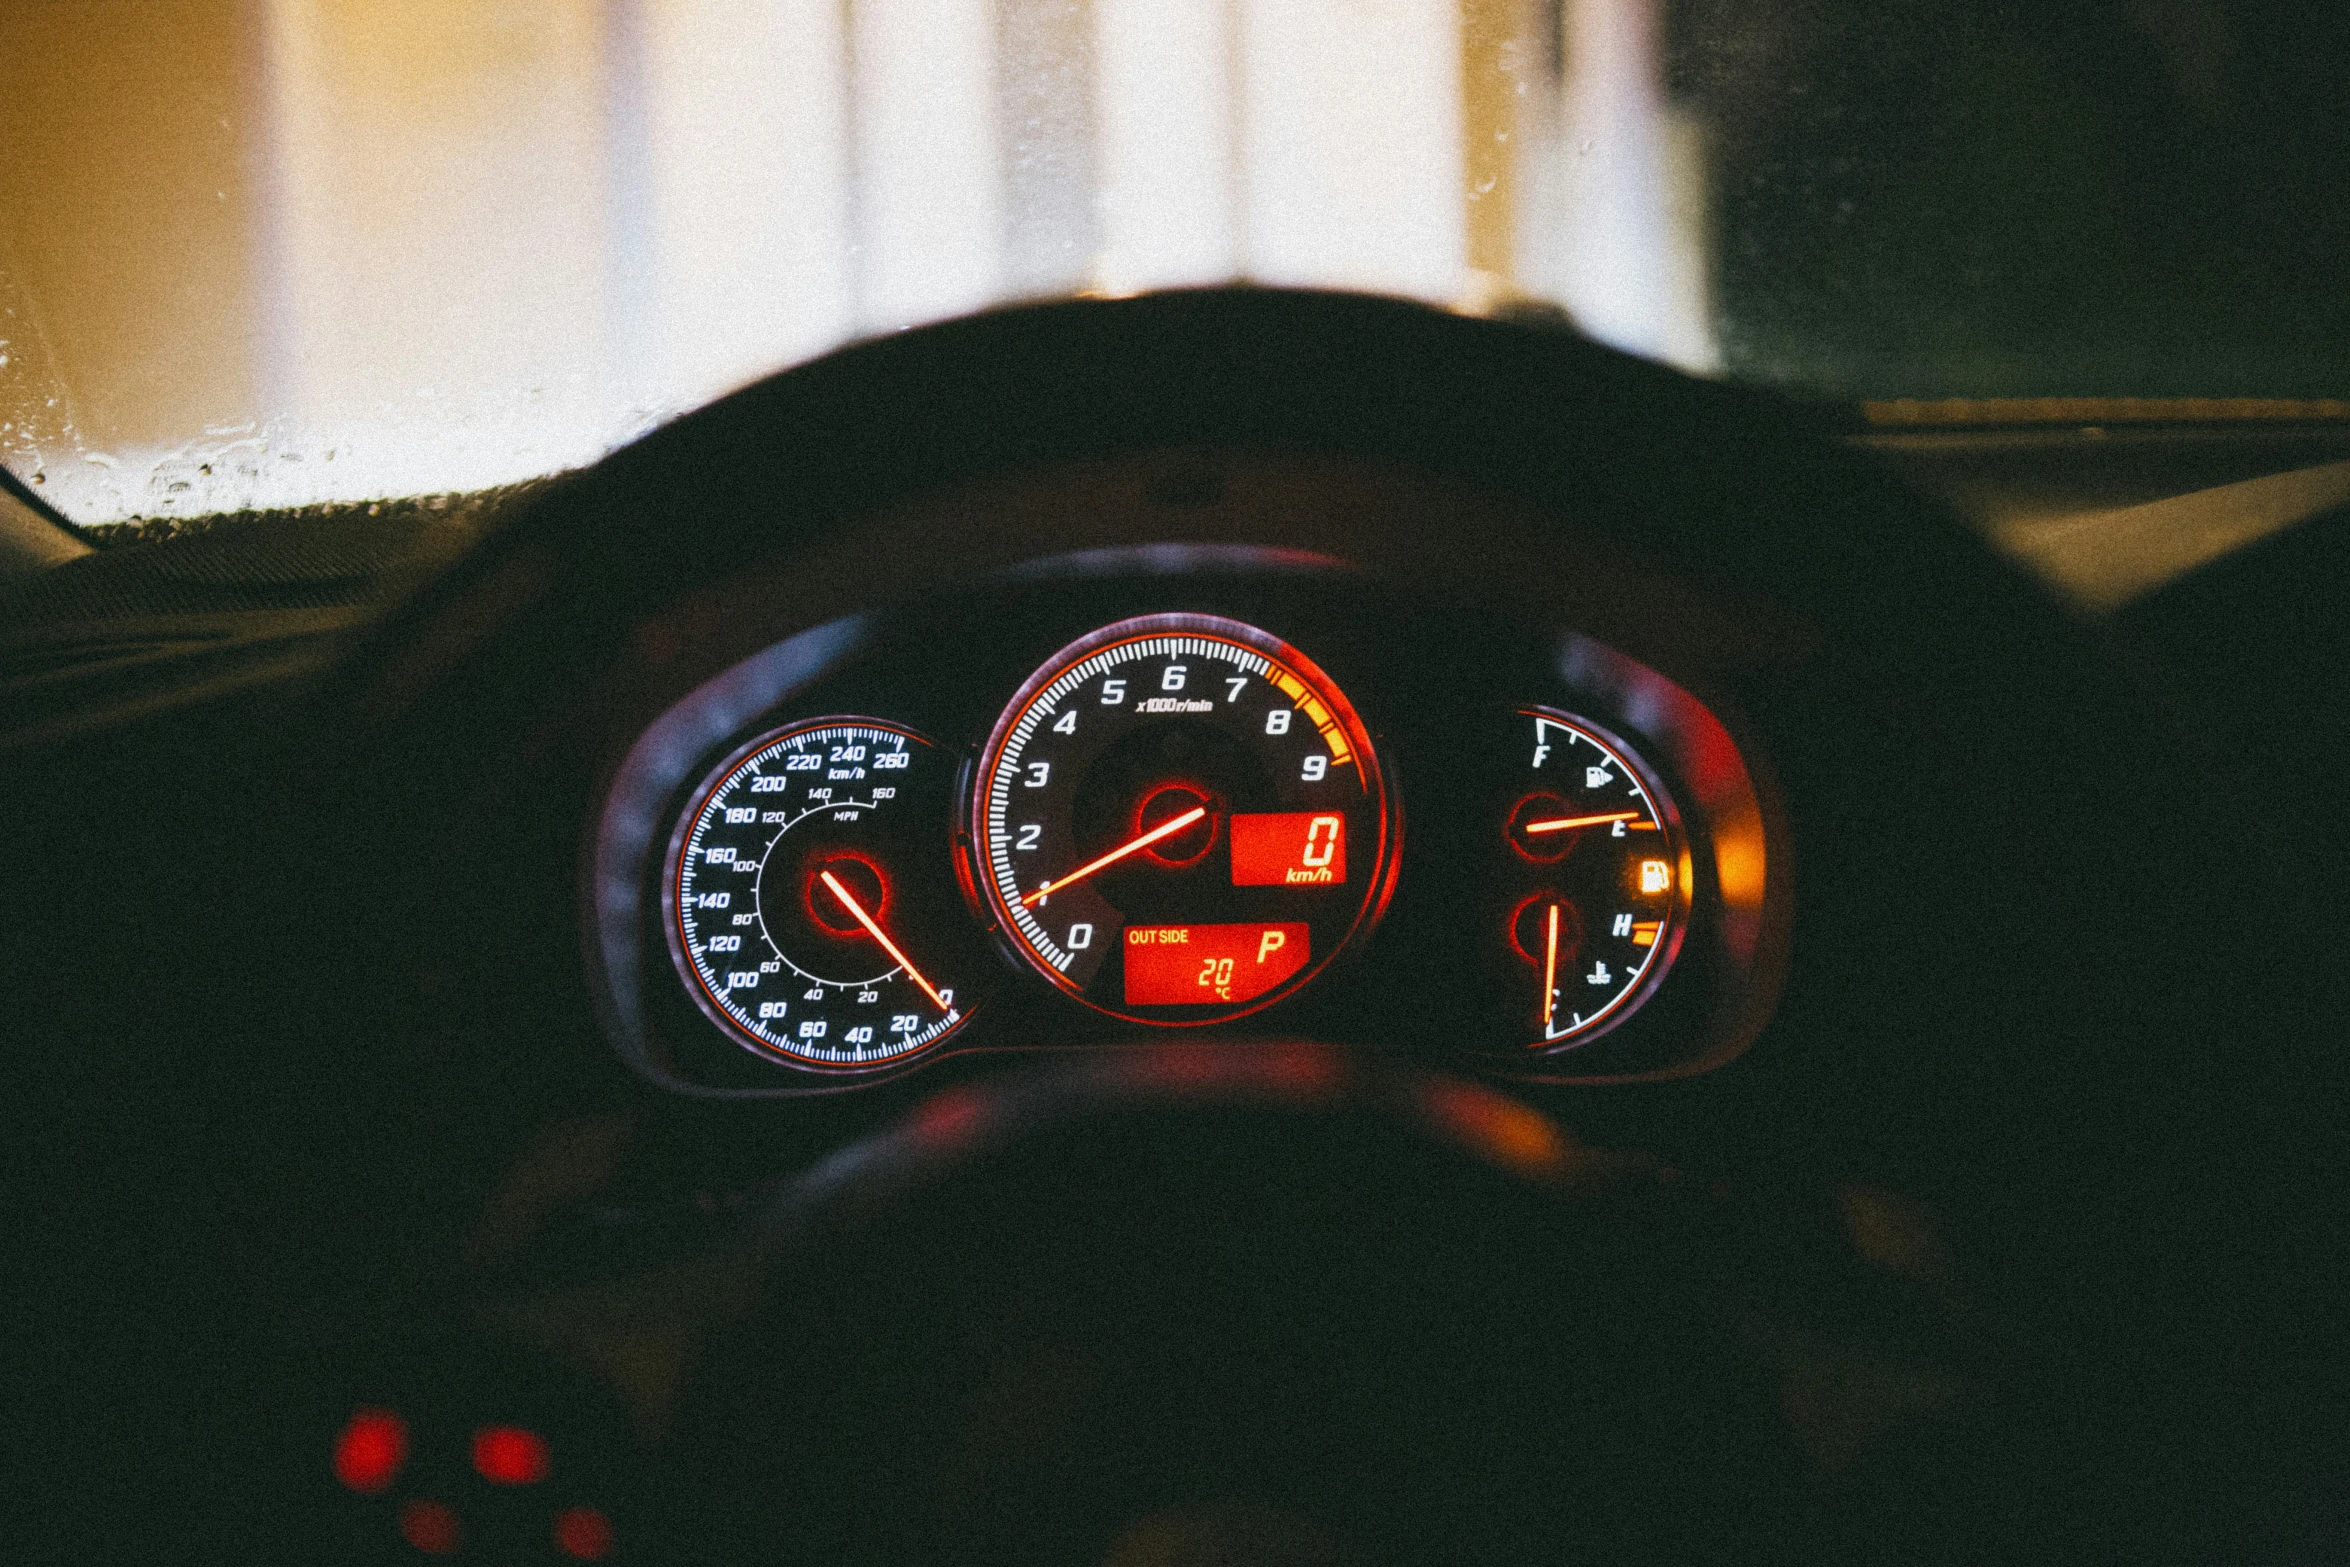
(1594, 876)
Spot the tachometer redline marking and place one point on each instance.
(876, 932)
(1166, 828)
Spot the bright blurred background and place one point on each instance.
(268, 252)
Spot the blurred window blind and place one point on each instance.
(489, 239)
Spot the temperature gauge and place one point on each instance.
(1595, 878)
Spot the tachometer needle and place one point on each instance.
(1562, 823)
(873, 929)
(1165, 829)
(1550, 971)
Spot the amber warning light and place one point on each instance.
(1200, 965)
(1288, 849)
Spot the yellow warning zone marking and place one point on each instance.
(1303, 699)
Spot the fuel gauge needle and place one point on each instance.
(873, 929)
(1550, 972)
(1165, 829)
(1562, 823)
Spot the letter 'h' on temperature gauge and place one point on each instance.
(1195, 965)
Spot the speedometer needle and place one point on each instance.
(1562, 823)
(1167, 828)
(873, 929)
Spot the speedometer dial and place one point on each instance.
(1180, 819)
(812, 907)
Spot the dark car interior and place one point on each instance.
(1967, 1185)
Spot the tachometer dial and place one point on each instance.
(812, 906)
(1179, 819)
(1594, 879)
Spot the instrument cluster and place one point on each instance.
(1088, 806)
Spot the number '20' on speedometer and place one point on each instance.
(1180, 819)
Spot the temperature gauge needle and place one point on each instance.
(873, 929)
(1550, 971)
(1165, 829)
(1562, 823)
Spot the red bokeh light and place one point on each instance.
(430, 1527)
(948, 1117)
(509, 1455)
(584, 1533)
(370, 1450)
(1499, 1130)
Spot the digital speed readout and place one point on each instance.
(1288, 849)
(1180, 819)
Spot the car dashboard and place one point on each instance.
(1436, 934)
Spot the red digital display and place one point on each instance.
(1210, 965)
(1288, 849)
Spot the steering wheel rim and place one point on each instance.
(1281, 1302)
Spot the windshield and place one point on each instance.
(269, 252)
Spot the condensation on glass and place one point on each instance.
(439, 244)
(267, 252)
